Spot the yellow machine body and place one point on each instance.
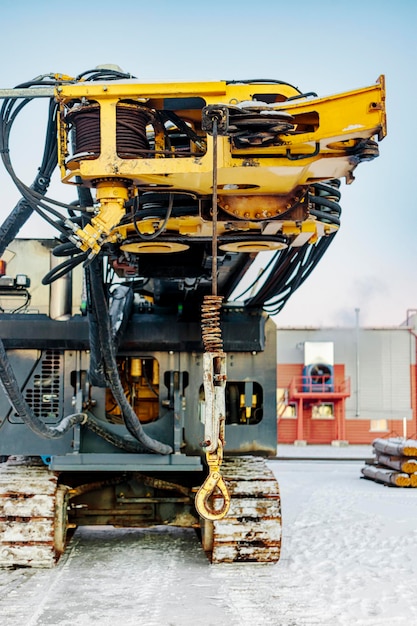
(256, 181)
(328, 121)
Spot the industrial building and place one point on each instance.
(338, 385)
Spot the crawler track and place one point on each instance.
(251, 531)
(32, 516)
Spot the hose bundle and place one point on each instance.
(33, 200)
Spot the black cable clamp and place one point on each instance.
(41, 183)
(215, 113)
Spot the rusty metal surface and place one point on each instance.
(251, 531)
(27, 516)
(33, 516)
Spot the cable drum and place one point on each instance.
(131, 122)
(85, 123)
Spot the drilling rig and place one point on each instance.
(141, 389)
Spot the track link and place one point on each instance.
(251, 531)
(32, 516)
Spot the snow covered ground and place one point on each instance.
(349, 558)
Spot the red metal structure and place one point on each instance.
(307, 393)
(318, 410)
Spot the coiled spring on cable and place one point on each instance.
(210, 323)
(324, 200)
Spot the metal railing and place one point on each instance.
(318, 384)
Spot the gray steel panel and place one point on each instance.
(125, 463)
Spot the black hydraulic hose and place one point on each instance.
(13, 223)
(99, 303)
(260, 277)
(12, 390)
(271, 81)
(96, 370)
(68, 249)
(23, 210)
(157, 212)
(292, 266)
(103, 74)
(65, 249)
(33, 195)
(63, 268)
(285, 277)
(306, 266)
(307, 94)
(161, 228)
(329, 190)
(8, 231)
(128, 445)
(325, 217)
(283, 267)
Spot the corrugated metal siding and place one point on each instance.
(320, 431)
(384, 375)
(358, 431)
(385, 357)
(287, 431)
(387, 385)
(287, 427)
(286, 372)
(290, 342)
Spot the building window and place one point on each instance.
(379, 426)
(285, 409)
(322, 411)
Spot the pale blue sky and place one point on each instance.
(322, 46)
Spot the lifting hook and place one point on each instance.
(213, 482)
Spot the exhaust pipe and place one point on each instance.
(60, 293)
